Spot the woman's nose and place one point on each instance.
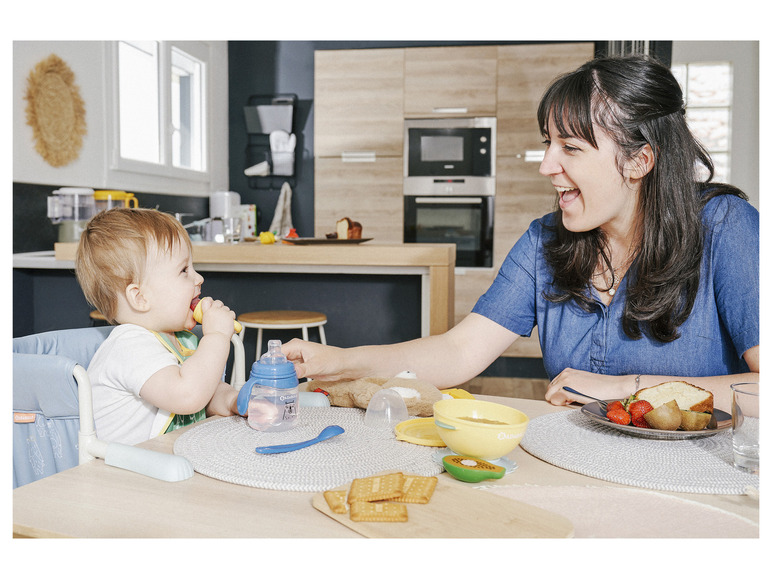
(549, 165)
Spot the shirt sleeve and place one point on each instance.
(134, 357)
(733, 235)
(511, 299)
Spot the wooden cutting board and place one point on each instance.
(458, 511)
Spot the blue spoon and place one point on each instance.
(328, 432)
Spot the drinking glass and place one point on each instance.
(745, 426)
(232, 229)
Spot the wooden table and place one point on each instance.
(96, 500)
(434, 262)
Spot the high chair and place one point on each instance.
(53, 414)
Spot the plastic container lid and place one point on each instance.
(274, 365)
(105, 195)
(385, 410)
(421, 431)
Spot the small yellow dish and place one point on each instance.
(421, 431)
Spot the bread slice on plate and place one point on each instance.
(687, 396)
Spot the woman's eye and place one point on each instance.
(570, 149)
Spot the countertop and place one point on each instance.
(433, 262)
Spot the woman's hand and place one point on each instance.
(598, 385)
(315, 361)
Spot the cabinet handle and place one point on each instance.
(532, 156)
(449, 200)
(450, 110)
(358, 156)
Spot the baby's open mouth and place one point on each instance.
(194, 302)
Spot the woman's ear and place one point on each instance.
(642, 163)
(135, 298)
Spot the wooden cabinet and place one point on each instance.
(370, 193)
(450, 81)
(362, 98)
(524, 72)
(358, 102)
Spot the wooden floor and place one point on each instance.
(533, 389)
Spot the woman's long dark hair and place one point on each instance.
(637, 101)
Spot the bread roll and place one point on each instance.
(687, 396)
(347, 229)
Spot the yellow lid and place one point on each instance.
(458, 393)
(420, 431)
(107, 194)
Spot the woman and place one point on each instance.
(642, 274)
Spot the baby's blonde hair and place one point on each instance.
(114, 248)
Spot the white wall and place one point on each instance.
(744, 56)
(88, 61)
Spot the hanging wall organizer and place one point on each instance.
(274, 142)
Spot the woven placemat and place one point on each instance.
(225, 449)
(574, 442)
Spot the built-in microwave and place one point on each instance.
(454, 156)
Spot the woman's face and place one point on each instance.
(591, 191)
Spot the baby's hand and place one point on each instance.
(216, 317)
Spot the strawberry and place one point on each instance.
(619, 416)
(615, 405)
(638, 408)
(640, 422)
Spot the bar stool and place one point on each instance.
(282, 320)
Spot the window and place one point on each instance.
(169, 115)
(707, 91)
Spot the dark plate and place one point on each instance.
(323, 241)
(723, 419)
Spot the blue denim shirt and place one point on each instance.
(723, 324)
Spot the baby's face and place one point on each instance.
(170, 285)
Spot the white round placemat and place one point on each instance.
(574, 442)
(225, 449)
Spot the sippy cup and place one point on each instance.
(273, 387)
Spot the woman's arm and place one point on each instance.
(444, 360)
(617, 387)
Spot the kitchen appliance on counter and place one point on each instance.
(108, 199)
(70, 208)
(450, 185)
(224, 204)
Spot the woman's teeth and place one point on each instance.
(567, 195)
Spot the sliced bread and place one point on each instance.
(687, 396)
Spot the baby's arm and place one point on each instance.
(190, 387)
(223, 402)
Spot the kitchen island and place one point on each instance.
(432, 263)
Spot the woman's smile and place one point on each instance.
(567, 196)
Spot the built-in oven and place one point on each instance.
(465, 221)
(450, 185)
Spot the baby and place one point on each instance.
(151, 375)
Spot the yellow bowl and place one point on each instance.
(477, 428)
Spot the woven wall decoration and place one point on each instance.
(55, 111)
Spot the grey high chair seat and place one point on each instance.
(53, 427)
